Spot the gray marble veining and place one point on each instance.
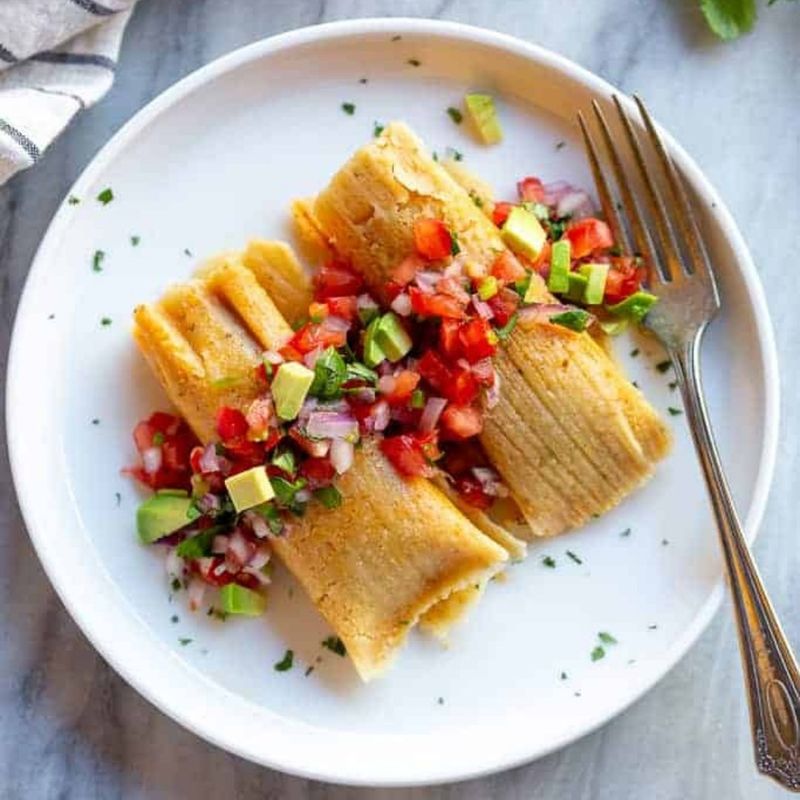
(70, 728)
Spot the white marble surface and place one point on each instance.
(69, 727)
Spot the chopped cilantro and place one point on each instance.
(663, 366)
(559, 145)
(174, 618)
(674, 412)
(95, 421)
(477, 199)
(652, 627)
(664, 542)
(286, 662)
(377, 129)
(440, 700)
(329, 496)
(396, 37)
(330, 373)
(184, 641)
(198, 546)
(634, 352)
(673, 385)
(118, 497)
(576, 319)
(454, 246)
(335, 645)
(187, 252)
(286, 490)
(356, 371)
(176, 584)
(606, 638)
(106, 196)
(455, 115)
(564, 676)
(435, 156)
(284, 460)
(417, 399)
(105, 321)
(504, 332)
(598, 653)
(549, 561)
(456, 154)
(97, 260)
(308, 671)
(574, 557)
(349, 108)
(158, 439)
(626, 532)
(72, 200)
(135, 240)
(362, 80)
(415, 62)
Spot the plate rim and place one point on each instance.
(468, 34)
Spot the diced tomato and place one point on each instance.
(405, 271)
(463, 388)
(317, 471)
(504, 305)
(588, 235)
(410, 454)
(623, 279)
(435, 305)
(345, 306)
(290, 353)
(231, 423)
(157, 423)
(434, 370)
(500, 213)
(336, 280)
(461, 421)
(478, 340)
(176, 441)
(457, 384)
(244, 454)
(530, 190)
(311, 336)
(472, 492)
(403, 384)
(432, 239)
(449, 342)
(507, 268)
(206, 568)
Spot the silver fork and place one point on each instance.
(679, 273)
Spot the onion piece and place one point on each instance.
(426, 280)
(209, 502)
(401, 304)
(263, 579)
(151, 460)
(310, 359)
(335, 324)
(219, 544)
(342, 455)
(483, 309)
(272, 356)
(261, 557)
(484, 370)
(540, 312)
(303, 496)
(490, 482)
(431, 413)
(576, 204)
(381, 415)
(196, 590)
(174, 563)
(238, 553)
(365, 303)
(210, 461)
(257, 523)
(492, 395)
(331, 425)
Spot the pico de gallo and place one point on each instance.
(411, 366)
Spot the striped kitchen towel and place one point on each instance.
(57, 57)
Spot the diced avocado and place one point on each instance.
(162, 514)
(577, 286)
(172, 492)
(560, 259)
(483, 113)
(595, 275)
(576, 319)
(634, 307)
(523, 233)
(373, 355)
(391, 337)
(249, 488)
(487, 288)
(235, 599)
(614, 327)
(290, 387)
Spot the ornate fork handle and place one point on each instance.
(771, 672)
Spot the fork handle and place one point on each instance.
(771, 672)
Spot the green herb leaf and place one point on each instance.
(663, 366)
(576, 319)
(674, 412)
(335, 645)
(606, 638)
(455, 115)
(286, 490)
(626, 532)
(284, 459)
(286, 662)
(349, 108)
(183, 641)
(106, 196)
(272, 516)
(415, 62)
(72, 200)
(356, 371)
(729, 19)
(105, 321)
(135, 240)
(574, 557)
(329, 496)
(455, 249)
(634, 352)
(559, 145)
(564, 676)
(549, 561)
(504, 332)
(329, 375)
(598, 653)
(377, 129)
(417, 399)
(97, 260)
(198, 546)
(176, 584)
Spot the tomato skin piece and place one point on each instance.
(434, 370)
(335, 280)
(456, 384)
(207, 574)
(435, 305)
(405, 271)
(404, 384)
(476, 337)
(504, 305)
(472, 492)
(345, 306)
(461, 421)
(587, 235)
(406, 453)
(623, 279)
(310, 337)
(317, 471)
(500, 213)
(432, 240)
(531, 190)
(507, 268)
(449, 342)
(231, 423)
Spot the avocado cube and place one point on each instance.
(560, 260)
(290, 387)
(523, 233)
(595, 275)
(634, 307)
(249, 488)
(392, 338)
(163, 514)
(577, 287)
(373, 355)
(483, 113)
(235, 599)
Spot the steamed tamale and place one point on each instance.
(570, 436)
(394, 548)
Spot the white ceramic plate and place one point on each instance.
(215, 160)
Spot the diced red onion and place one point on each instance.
(490, 482)
(455, 269)
(196, 590)
(261, 414)
(426, 280)
(540, 312)
(303, 496)
(331, 425)
(576, 204)
(483, 369)
(238, 552)
(318, 448)
(310, 358)
(431, 413)
(553, 192)
(381, 415)
(453, 287)
(272, 356)
(401, 304)
(209, 502)
(386, 384)
(220, 569)
(174, 563)
(257, 523)
(385, 368)
(210, 461)
(483, 309)
(336, 324)
(263, 579)
(342, 454)
(493, 393)
(151, 460)
(219, 544)
(365, 303)
(261, 557)
(365, 395)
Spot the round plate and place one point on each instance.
(215, 160)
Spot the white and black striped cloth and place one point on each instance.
(57, 57)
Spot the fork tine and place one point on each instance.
(640, 236)
(684, 216)
(606, 198)
(654, 201)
